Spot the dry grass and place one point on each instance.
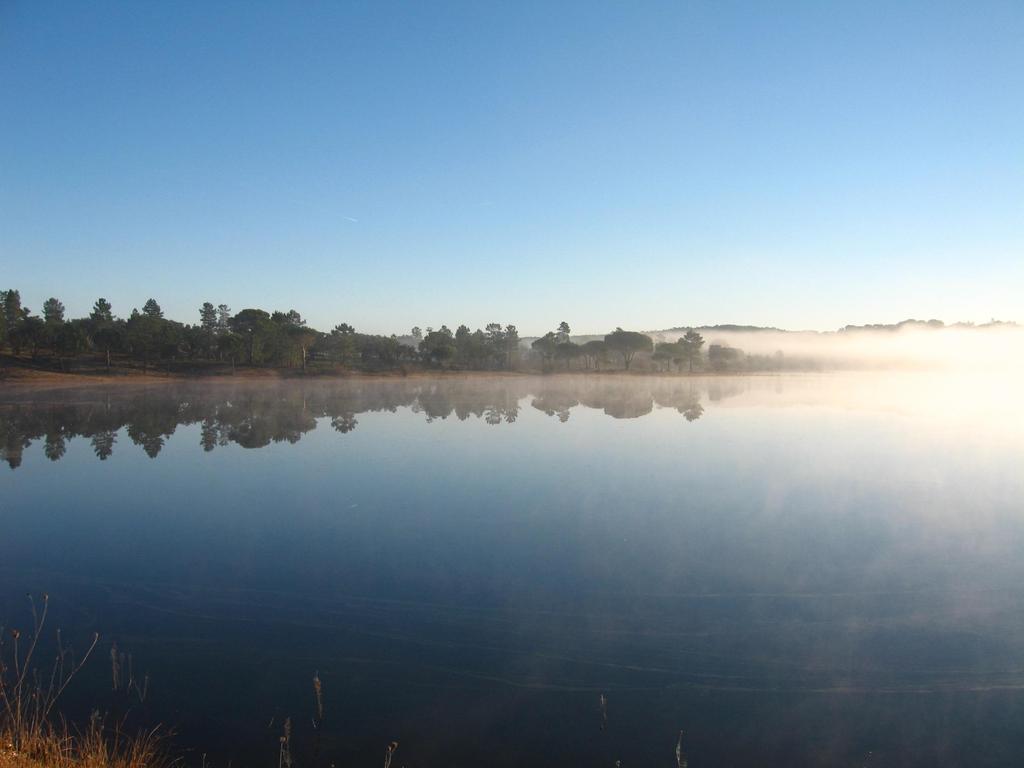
(96, 747)
(31, 735)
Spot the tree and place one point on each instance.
(53, 321)
(70, 340)
(417, 334)
(232, 346)
(546, 346)
(253, 325)
(341, 343)
(30, 333)
(562, 333)
(223, 318)
(303, 338)
(12, 311)
(473, 348)
(595, 352)
(568, 351)
(382, 350)
(99, 328)
(144, 335)
(503, 343)
(203, 338)
(721, 356)
(102, 313)
(11, 316)
(664, 353)
(208, 317)
(149, 335)
(108, 337)
(689, 347)
(170, 337)
(288, 337)
(438, 347)
(291, 317)
(104, 332)
(495, 339)
(511, 344)
(152, 309)
(627, 344)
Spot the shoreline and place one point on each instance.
(22, 378)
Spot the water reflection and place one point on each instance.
(256, 415)
(796, 570)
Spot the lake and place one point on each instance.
(797, 570)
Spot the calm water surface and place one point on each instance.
(796, 570)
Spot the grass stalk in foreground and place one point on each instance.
(31, 736)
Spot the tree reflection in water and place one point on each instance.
(254, 415)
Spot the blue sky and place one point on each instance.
(803, 165)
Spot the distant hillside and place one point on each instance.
(908, 324)
(926, 325)
(725, 327)
(736, 332)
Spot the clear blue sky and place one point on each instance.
(804, 165)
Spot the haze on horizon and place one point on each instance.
(395, 165)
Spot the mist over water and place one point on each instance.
(793, 569)
(912, 345)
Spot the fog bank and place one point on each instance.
(993, 347)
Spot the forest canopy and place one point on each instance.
(221, 339)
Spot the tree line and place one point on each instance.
(256, 337)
